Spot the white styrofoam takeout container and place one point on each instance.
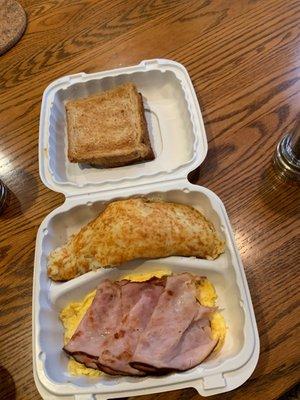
(178, 137)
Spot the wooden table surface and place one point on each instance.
(244, 59)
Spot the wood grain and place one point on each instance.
(243, 58)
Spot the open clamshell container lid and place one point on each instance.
(179, 142)
(174, 123)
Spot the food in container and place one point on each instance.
(108, 129)
(170, 318)
(135, 228)
(178, 140)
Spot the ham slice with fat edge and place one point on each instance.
(135, 328)
(178, 335)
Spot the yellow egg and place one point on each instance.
(218, 329)
(72, 314)
(207, 296)
(145, 276)
(75, 368)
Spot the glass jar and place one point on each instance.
(286, 159)
(3, 196)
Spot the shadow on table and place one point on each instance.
(181, 394)
(210, 166)
(23, 191)
(7, 385)
(262, 326)
(208, 170)
(293, 394)
(207, 167)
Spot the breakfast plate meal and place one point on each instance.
(138, 285)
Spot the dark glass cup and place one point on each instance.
(4, 195)
(286, 159)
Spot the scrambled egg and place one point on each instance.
(145, 276)
(70, 317)
(207, 296)
(72, 314)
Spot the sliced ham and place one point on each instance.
(119, 347)
(99, 321)
(178, 335)
(108, 331)
(135, 328)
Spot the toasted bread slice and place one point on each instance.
(108, 129)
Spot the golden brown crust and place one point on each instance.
(136, 228)
(108, 129)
